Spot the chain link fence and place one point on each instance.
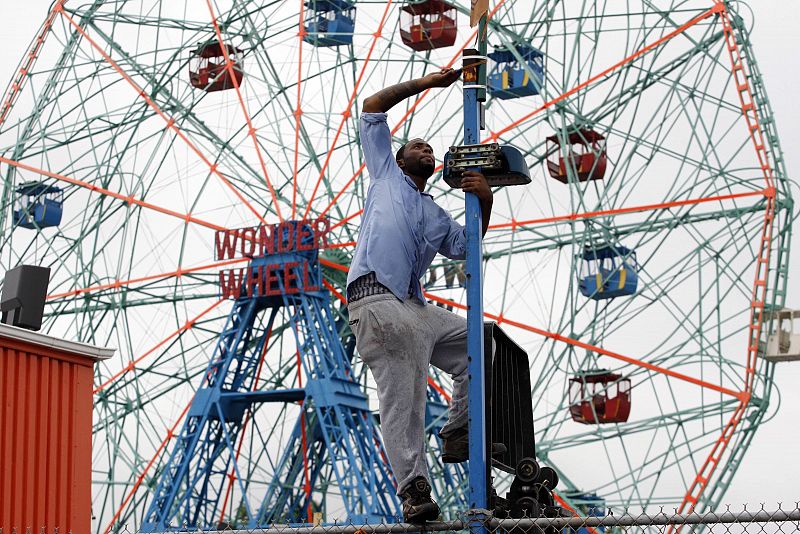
(755, 521)
(745, 520)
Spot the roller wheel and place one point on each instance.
(528, 470)
(547, 477)
(528, 506)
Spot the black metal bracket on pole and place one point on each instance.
(502, 165)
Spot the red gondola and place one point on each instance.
(207, 69)
(429, 24)
(598, 397)
(586, 154)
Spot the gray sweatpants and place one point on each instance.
(398, 340)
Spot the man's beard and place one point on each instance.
(425, 170)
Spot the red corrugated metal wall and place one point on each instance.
(45, 439)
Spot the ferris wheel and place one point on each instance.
(659, 212)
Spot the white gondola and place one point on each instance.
(783, 344)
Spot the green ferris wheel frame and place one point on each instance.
(281, 147)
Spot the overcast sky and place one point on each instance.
(772, 467)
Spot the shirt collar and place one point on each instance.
(410, 182)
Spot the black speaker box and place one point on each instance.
(509, 404)
(24, 293)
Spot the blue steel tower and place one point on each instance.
(334, 435)
(335, 418)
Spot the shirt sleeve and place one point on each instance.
(376, 141)
(454, 245)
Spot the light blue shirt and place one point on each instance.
(402, 229)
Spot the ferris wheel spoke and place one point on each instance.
(125, 198)
(134, 362)
(346, 113)
(676, 417)
(606, 72)
(671, 354)
(298, 110)
(170, 121)
(29, 61)
(335, 292)
(251, 129)
(599, 350)
(513, 225)
(661, 294)
(657, 461)
(669, 459)
(124, 401)
(733, 244)
(651, 457)
(117, 284)
(347, 219)
(539, 240)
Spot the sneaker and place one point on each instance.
(418, 506)
(455, 447)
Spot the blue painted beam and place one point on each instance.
(474, 93)
(336, 391)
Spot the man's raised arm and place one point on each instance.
(385, 99)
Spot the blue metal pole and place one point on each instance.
(478, 497)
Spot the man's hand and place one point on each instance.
(443, 78)
(475, 182)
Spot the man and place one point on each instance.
(397, 335)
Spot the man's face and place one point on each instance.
(418, 159)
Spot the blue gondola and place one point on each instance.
(38, 205)
(330, 22)
(510, 78)
(608, 272)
